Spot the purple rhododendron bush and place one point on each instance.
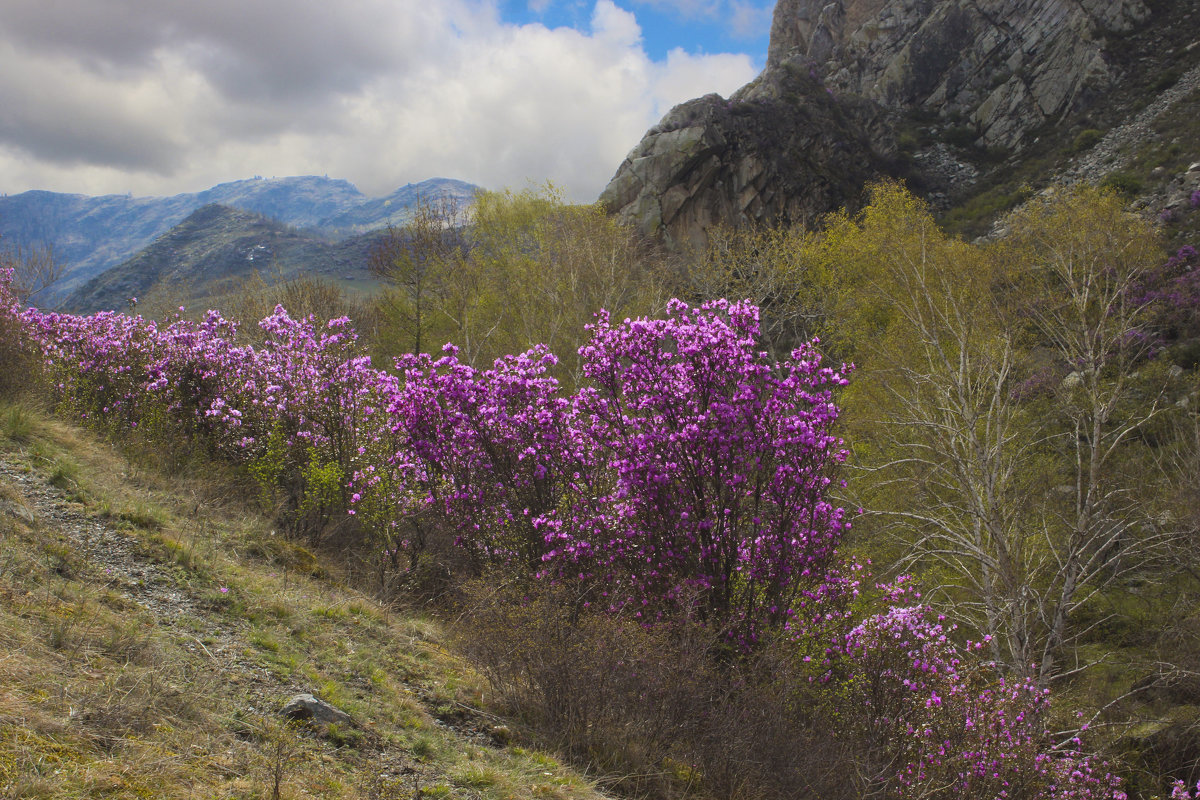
(18, 361)
(650, 563)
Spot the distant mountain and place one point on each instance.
(215, 248)
(92, 234)
(396, 208)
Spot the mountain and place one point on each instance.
(395, 209)
(213, 249)
(92, 234)
(974, 103)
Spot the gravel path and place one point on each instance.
(117, 560)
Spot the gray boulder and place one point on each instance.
(308, 707)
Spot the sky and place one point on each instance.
(158, 97)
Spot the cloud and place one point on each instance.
(154, 98)
(749, 20)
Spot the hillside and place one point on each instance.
(153, 628)
(92, 234)
(217, 247)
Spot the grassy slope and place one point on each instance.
(151, 628)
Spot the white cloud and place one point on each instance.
(748, 20)
(179, 96)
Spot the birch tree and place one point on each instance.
(1012, 503)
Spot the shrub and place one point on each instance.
(1128, 186)
(934, 721)
(1086, 140)
(17, 360)
(656, 706)
(721, 460)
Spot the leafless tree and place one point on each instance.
(34, 271)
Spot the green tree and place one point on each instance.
(995, 413)
(518, 269)
(416, 263)
(777, 269)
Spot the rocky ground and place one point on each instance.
(1117, 148)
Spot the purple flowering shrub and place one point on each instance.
(681, 492)
(1171, 292)
(720, 461)
(493, 452)
(937, 721)
(13, 349)
(292, 410)
(16, 356)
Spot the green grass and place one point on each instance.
(100, 698)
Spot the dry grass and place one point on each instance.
(107, 690)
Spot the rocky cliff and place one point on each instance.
(782, 148)
(958, 97)
(1005, 67)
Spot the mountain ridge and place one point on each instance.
(90, 234)
(216, 245)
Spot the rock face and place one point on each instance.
(1004, 67)
(782, 149)
(806, 134)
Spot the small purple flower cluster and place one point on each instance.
(1179, 790)
(1171, 294)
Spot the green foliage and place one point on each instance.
(323, 482)
(980, 370)
(978, 212)
(16, 422)
(778, 269)
(960, 136)
(269, 468)
(526, 268)
(1166, 80)
(1124, 184)
(1086, 140)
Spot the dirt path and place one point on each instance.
(118, 561)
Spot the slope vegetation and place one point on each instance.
(152, 628)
